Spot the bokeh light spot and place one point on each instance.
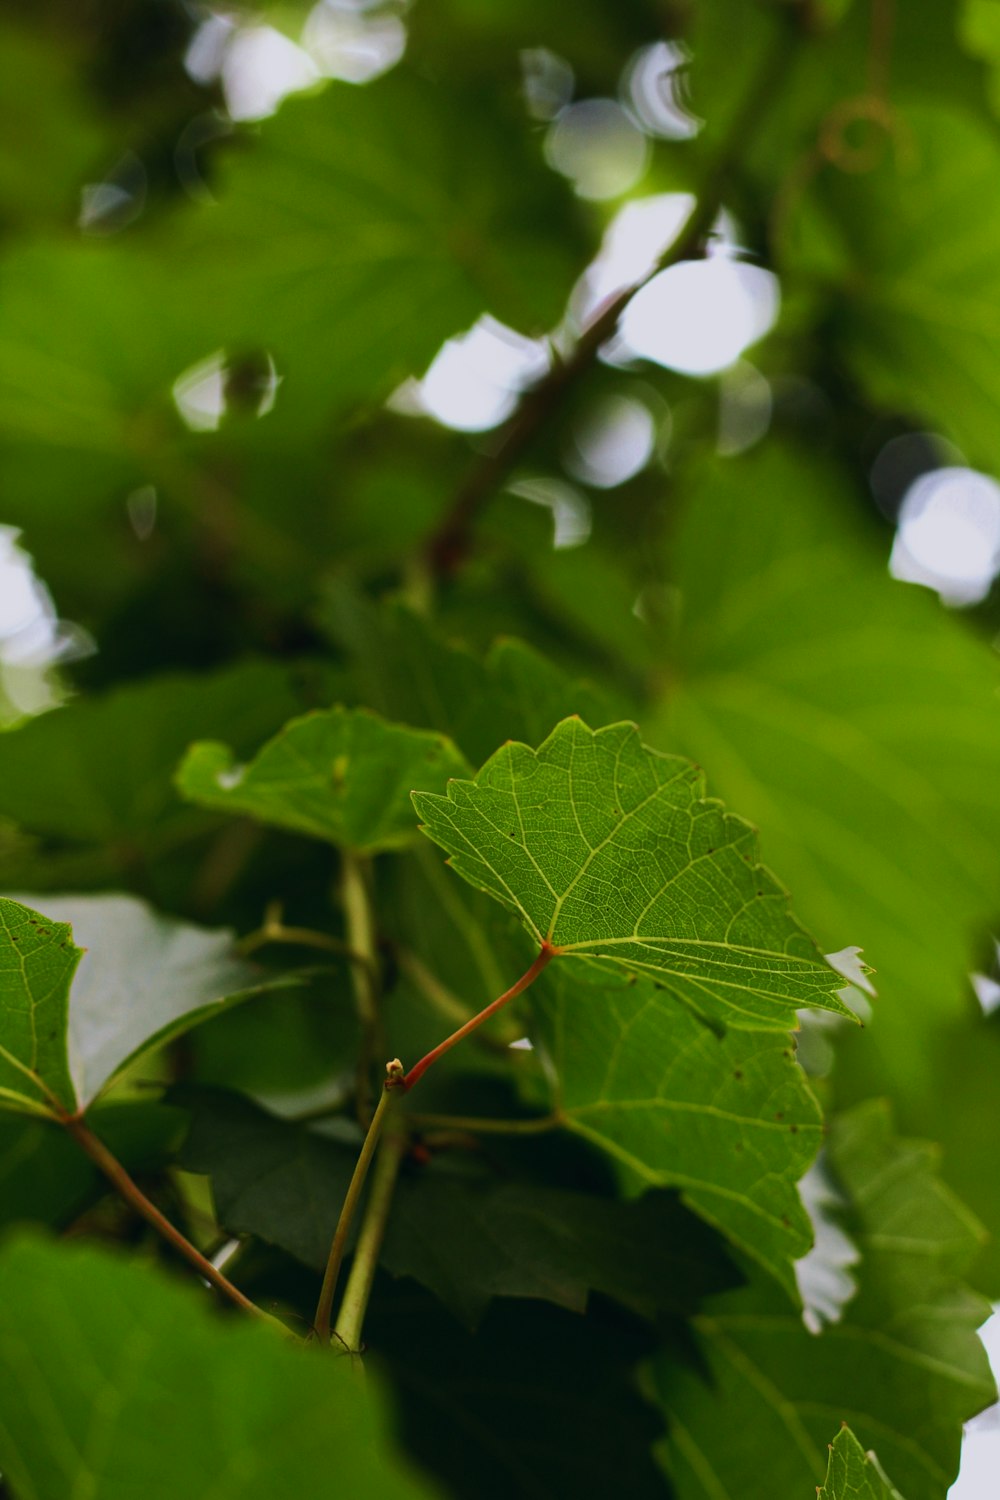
(612, 441)
(596, 145)
(474, 380)
(949, 534)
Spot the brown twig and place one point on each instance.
(449, 544)
(116, 1174)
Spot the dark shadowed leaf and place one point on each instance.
(538, 1402)
(465, 1233)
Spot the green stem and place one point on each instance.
(324, 1308)
(359, 921)
(350, 1319)
(545, 956)
(273, 930)
(116, 1174)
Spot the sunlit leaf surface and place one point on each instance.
(854, 1474)
(602, 846)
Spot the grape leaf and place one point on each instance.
(903, 1366)
(96, 773)
(857, 721)
(409, 673)
(854, 1474)
(603, 846)
(368, 225)
(468, 1236)
(71, 1017)
(120, 1378)
(37, 964)
(729, 1120)
(918, 326)
(343, 775)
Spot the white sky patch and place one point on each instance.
(523, 1044)
(699, 317)
(654, 88)
(207, 48)
(200, 393)
(949, 534)
(475, 379)
(977, 1478)
(613, 441)
(570, 510)
(987, 993)
(849, 963)
(823, 1275)
(261, 67)
(32, 637)
(597, 146)
(633, 242)
(346, 42)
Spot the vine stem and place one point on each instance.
(273, 930)
(351, 1317)
(359, 921)
(449, 544)
(116, 1174)
(324, 1308)
(545, 956)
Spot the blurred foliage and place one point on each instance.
(213, 325)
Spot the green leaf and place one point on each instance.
(729, 1120)
(917, 322)
(37, 964)
(98, 771)
(46, 1179)
(270, 1178)
(344, 776)
(856, 720)
(603, 846)
(66, 141)
(854, 1474)
(470, 1241)
(411, 674)
(368, 225)
(467, 1235)
(904, 1366)
(119, 1377)
(73, 1017)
